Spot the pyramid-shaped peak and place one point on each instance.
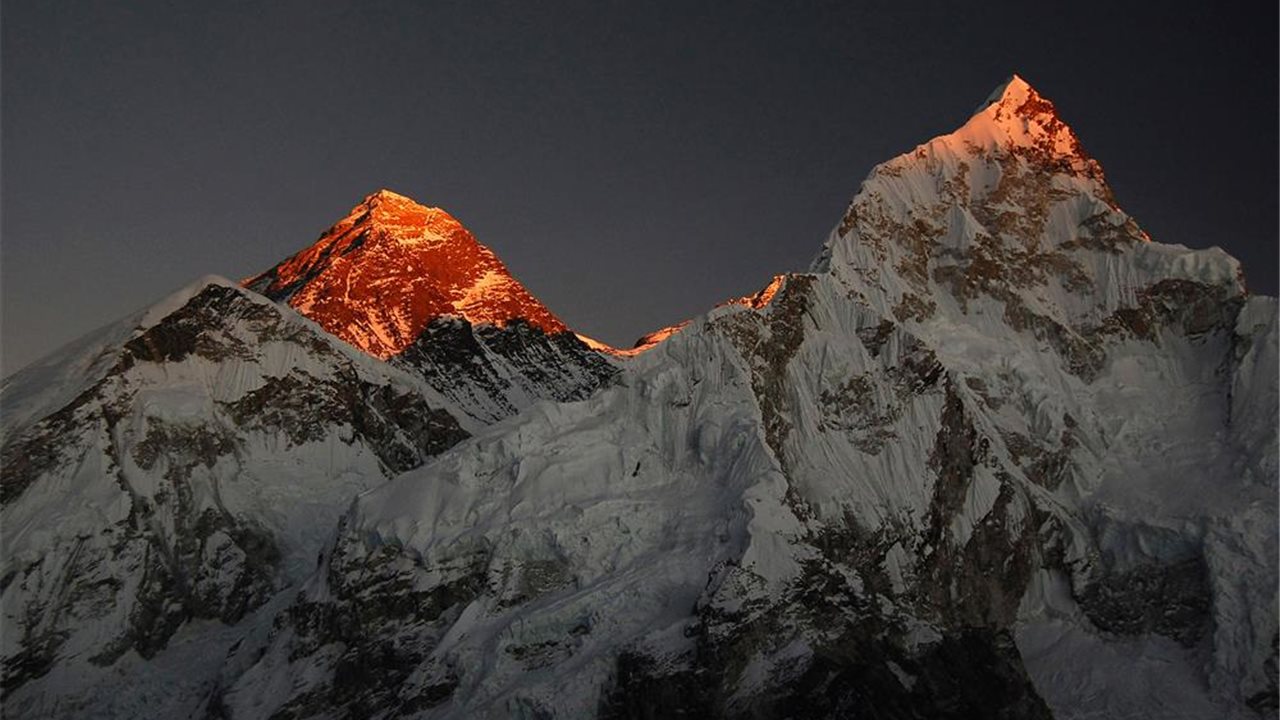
(1014, 102)
(1016, 115)
(385, 195)
(385, 203)
(1014, 139)
(401, 219)
(383, 272)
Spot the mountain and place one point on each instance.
(180, 469)
(408, 283)
(169, 479)
(380, 275)
(996, 455)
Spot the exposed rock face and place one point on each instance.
(490, 372)
(380, 275)
(1171, 600)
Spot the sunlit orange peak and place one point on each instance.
(382, 273)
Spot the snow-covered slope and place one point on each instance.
(181, 467)
(651, 340)
(997, 455)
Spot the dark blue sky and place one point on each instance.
(633, 163)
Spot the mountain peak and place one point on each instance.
(387, 194)
(401, 219)
(1013, 91)
(1016, 115)
(382, 273)
(1006, 208)
(384, 201)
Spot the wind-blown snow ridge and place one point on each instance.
(651, 340)
(52, 381)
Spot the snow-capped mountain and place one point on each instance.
(179, 469)
(168, 476)
(409, 283)
(380, 275)
(996, 455)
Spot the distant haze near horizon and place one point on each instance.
(632, 166)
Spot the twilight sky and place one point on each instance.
(632, 163)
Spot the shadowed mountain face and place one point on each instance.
(997, 454)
